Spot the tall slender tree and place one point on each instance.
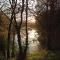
(13, 7)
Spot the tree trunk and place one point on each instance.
(13, 44)
(8, 42)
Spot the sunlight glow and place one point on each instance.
(33, 40)
(31, 20)
(33, 34)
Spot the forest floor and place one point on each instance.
(43, 55)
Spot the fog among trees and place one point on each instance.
(29, 30)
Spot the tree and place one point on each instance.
(47, 23)
(13, 7)
(23, 52)
(21, 55)
(4, 20)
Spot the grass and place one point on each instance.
(44, 55)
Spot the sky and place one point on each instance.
(31, 5)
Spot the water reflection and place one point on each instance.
(32, 39)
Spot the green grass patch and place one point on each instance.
(44, 55)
